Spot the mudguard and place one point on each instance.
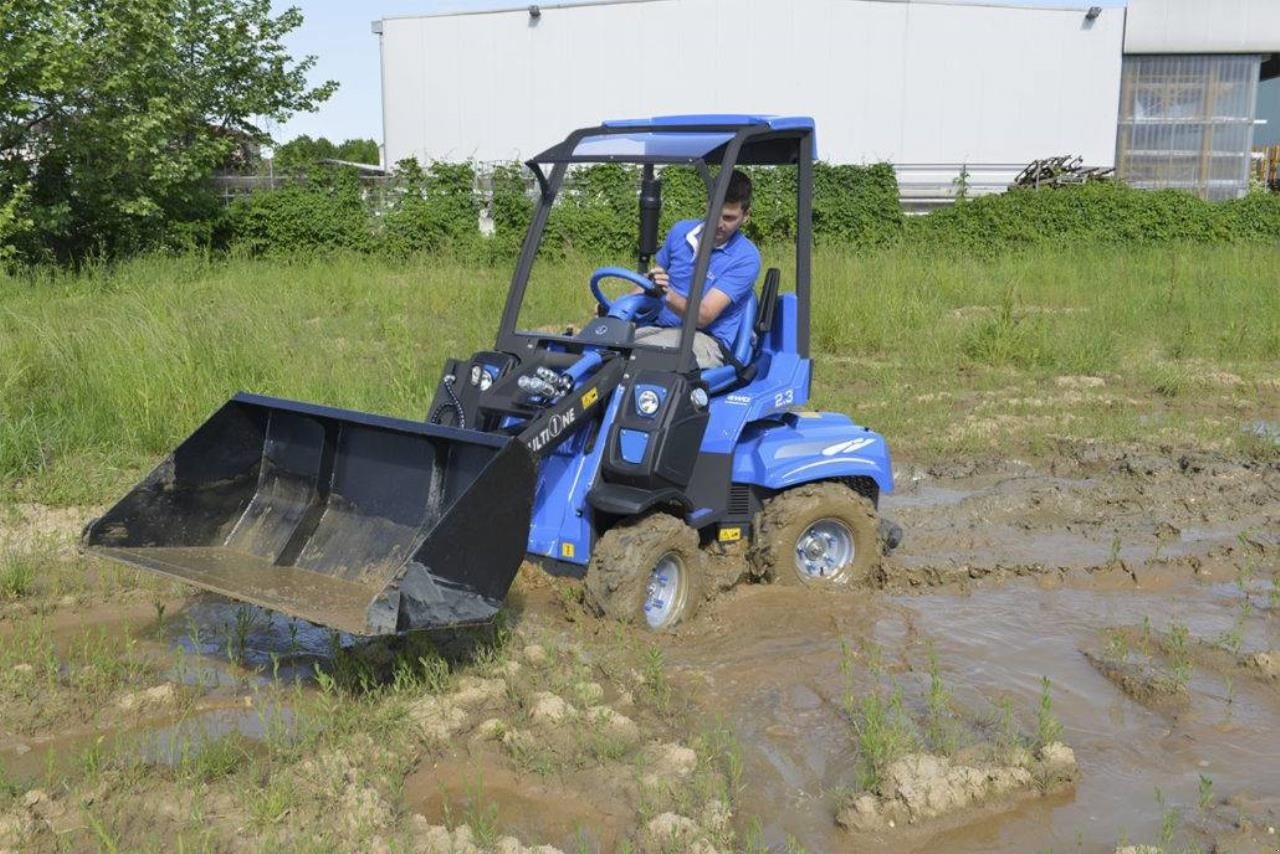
(808, 446)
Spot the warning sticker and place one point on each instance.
(590, 397)
(730, 535)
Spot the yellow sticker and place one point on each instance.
(566, 550)
(807, 413)
(590, 397)
(730, 535)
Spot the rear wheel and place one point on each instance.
(647, 571)
(819, 535)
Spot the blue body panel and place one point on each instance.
(803, 447)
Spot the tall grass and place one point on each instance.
(103, 370)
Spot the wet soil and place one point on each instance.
(1009, 572)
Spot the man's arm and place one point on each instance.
(733, 285)
(713, 303)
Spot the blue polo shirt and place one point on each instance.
(733, 270)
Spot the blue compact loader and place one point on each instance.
(587, 451)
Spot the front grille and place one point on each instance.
(739, 501)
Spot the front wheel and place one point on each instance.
(820, 535)
(648, 571)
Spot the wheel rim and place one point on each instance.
(824, 550)
(664, 597)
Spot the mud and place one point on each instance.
(1106, 571)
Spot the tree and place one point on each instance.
(300, 154)
(115, 113)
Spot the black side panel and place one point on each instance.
(675, 436)
(709, 488)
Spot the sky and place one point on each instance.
(338, 33)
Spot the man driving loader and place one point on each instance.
(735, 264)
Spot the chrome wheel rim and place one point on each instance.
(824, 550)
(664, 596)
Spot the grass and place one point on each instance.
(104, 370)
(1048, 727)
(17, 576)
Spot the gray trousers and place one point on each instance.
(706, 350)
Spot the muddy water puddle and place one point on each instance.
(1118, 542)
(780, 684)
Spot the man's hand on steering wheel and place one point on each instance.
(660, 279)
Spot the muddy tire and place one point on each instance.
(818, 535)
(647, 571)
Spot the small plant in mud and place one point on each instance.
(237, 633)
(1178, 649)
(653, 671)
(1233, 638)
(1115, 645)
(1114, 555)
(1206, 793)
(1144, 639)
(478, 813)
(271, 804)
(722, 751)
(1048, 727)
(8, 788)
(1169, 816)
(1007, 735)
(885, 733)
(939, 728)
(212, 758)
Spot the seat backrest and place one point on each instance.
(755, 322)
(744, 340)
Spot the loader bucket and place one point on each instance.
(366, 524)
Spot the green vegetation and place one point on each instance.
(1048, 727)
(1105, 213)
(113, 117)
(855, 207)
(302, 153)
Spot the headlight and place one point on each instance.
(475, 374)
(486, 380)
(647, 402)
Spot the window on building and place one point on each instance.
(1187, 122)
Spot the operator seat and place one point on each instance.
(756, 320)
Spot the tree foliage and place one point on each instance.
(114, 114)
(301, 154)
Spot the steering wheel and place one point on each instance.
(640, 280)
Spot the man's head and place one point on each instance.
(737, 207)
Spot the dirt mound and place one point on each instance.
(922, 787)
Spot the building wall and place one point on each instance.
(909, 82)
(1203, 26)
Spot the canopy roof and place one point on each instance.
(770, 140)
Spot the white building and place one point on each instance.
(1165, 90)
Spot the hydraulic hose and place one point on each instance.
(452, 402)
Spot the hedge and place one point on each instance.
(437, 209)
(1105, 212)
